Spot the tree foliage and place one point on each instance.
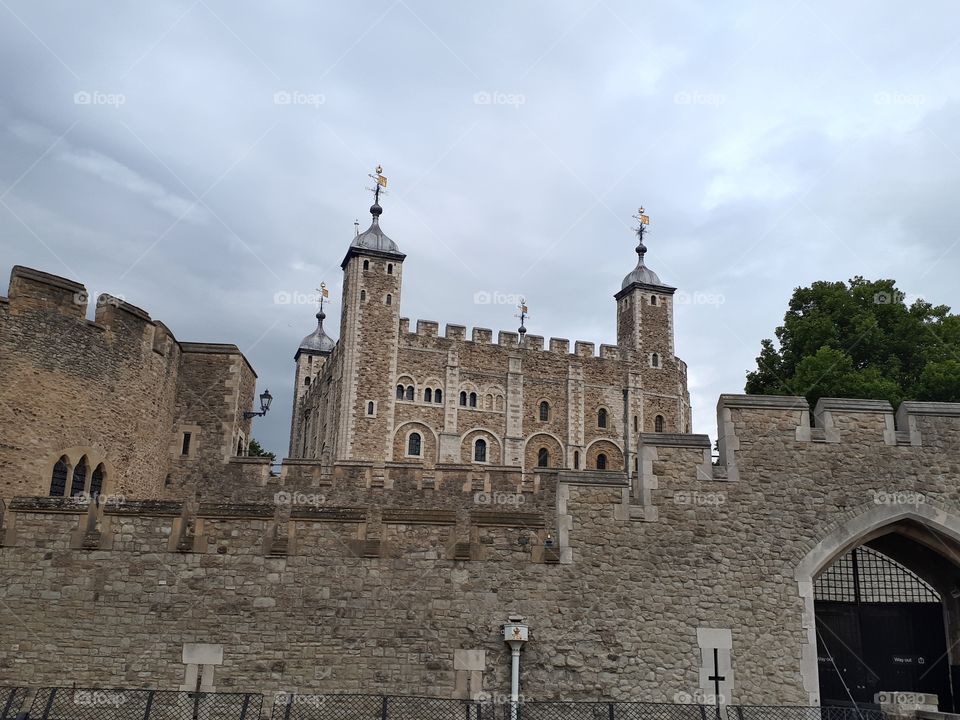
(255, 449)
(860, 339)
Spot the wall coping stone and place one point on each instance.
(852, 405)
(685, 440)
(764, 402)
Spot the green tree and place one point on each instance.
(860, 339)
(255, 449)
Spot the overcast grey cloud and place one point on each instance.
(197, 158)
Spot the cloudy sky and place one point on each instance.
(206, 160)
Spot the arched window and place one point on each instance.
(658, 423)
(428, 395)
(409, 395)
(389, 299)
(480, 450)
(413, 444)
(366, 264)
(463, 398)
(499, 403)
(576, 459)
(544, 410)
(79, 482)
(96, 481)
(601, 462)
(653, 299)
(438, 395)
(239, 447)
(473, 399)
(399, 392)
(363, 296)
(636, 424)
(543, 458)
(58, 481)
(602, 417)
(369, 407)
(655, 360)
(488, 402)
(389, 268)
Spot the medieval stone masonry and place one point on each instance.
(436, 485)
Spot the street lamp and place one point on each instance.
(515, 634)
(265, 399)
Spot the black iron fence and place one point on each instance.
(115, 704)
(11, 700)
(118, 704)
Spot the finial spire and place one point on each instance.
(522, 307)
(643, 220)
(324, 293)
(356, 228)
(378, 188)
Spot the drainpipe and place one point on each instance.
(515, 634)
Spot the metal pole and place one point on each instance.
(514, 681)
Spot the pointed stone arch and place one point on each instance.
(859, 526)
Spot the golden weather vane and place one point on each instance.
(324, 293)
(643, 221)
(380, 184)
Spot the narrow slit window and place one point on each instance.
(185, 445)
(58, 480)
(413, 444)
(480, 451)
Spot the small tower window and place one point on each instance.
(438, 395)
(58, 481)
(601, 462)
(653, 299)
(363, 296)
(576, 459)
(473, 399)
(463, 398)
(428, 395)
(654, 360)
(306, 380)
(658, 423)
(370, 407)
(78, 485)
(480, 450)
(636, 424)
(543, 458)
(366, 264)
(185, 445)
(410, 391)
(602, 418)
(389, 268)
(399, 392)
(544, 410)
(389, 299)
(413, 445)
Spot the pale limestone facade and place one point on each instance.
(531, 404)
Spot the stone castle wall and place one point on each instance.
(510, 381)
(119, 390)
(397, 578)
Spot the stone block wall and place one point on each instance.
(388, 574)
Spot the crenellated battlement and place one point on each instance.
(429, 330)
(131, 390)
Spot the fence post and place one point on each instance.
(609, 711)
(243, 710)
(146, 710)
(383, 709)
(6, 708)
(46, 710)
